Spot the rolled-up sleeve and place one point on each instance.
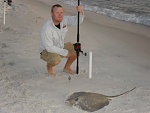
(72, 20)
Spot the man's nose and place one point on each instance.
(59, 13)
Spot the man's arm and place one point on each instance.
(72, 20)
(48, 44)
(80, 10)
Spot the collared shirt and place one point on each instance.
(52, 38)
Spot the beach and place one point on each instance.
(121, 61)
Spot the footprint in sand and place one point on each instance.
(9, 63)
(1, 31)
(38, 19)
(9, 29)
(3, 45)
(82, 71)
(5, 29)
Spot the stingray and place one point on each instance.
(89, 101)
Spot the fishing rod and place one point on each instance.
(77, 46)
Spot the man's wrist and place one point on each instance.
(81, 13)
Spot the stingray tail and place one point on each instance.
(110, 97)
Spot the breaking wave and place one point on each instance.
(126, 15)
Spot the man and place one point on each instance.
(52, 46)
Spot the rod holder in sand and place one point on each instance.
(90, 64)
(4, 12)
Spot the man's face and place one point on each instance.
(57, 14)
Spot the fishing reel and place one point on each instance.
(77, 47)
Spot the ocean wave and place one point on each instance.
(118, 14)
(145, 20)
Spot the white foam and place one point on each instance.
(118, 14)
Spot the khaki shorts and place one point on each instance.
(53, 57)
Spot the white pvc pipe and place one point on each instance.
(4, 11)
(90, 64)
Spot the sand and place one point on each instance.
(121, 61)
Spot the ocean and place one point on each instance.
(137, 11)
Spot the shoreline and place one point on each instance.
(105, 20)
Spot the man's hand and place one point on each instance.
(68, 55)
(79, 9)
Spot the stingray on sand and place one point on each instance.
(89, 101)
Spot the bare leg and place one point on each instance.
(68, 64)
(50, 68)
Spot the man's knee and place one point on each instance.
(74, 56)
(57, 62)
(51, 64)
